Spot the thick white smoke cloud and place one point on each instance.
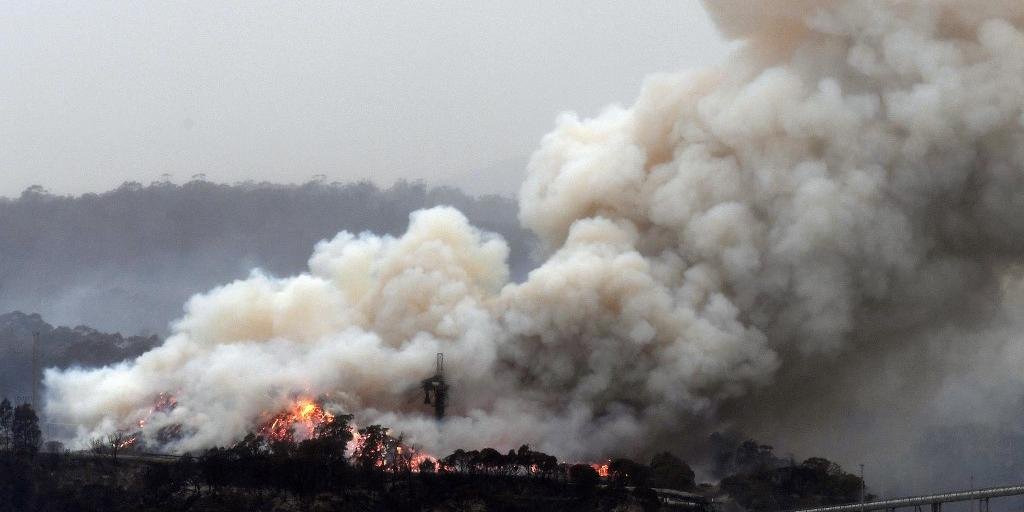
(843, 190)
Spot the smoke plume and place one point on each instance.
(829, 223)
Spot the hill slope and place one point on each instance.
(126, 260)
(58, 346)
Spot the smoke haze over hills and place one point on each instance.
(60, 347)
(126, 260)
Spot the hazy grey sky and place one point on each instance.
(96, 93)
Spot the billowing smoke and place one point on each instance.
(829, 223)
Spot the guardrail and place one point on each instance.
(934, 500)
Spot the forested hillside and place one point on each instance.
(58, 346)
(126, 260)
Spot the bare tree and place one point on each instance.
(98, 446)
(112, 444)
(117, 441)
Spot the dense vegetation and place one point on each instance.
(763, 482)
(378, 472)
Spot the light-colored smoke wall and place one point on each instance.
(759, 245)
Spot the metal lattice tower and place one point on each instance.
(435, 389)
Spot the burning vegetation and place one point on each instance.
(300, 421)
(306, 424)
(340, 466)
(164, 403)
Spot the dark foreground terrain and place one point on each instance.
(75, 482)
(341, 469)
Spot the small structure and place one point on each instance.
(435, 389)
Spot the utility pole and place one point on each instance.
(35, 371)
(862, 485)
(972, 490)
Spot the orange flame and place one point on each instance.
(128, 441)
(602, 469)
(402, 454)
(164, 402)
(356, 443)
(300, 421)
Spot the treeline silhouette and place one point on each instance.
(758, 480)
(377, 472)
(126, 260)
(59, 347)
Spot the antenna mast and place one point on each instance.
(435, 389)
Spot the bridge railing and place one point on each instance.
(934, 500)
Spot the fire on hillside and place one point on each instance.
(297, 422)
